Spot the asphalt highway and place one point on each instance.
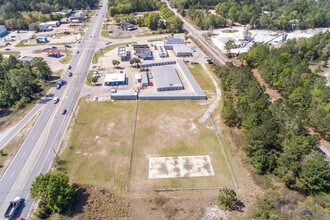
(36, 154)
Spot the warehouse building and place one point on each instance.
(115, 79)
(144, 79)
(160, 63)
(143, 51)
(181, 50)
(166, 78)
(169, 42)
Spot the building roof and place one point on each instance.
(189, 77)
(173, 40)
(138, 76)
(26, 58)
(41, 38)
(166, 76)
(122, 51)
(181, 48)
(144, 76)
(115, 77)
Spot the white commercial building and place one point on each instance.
(115, 79)
(182, 50)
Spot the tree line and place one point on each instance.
(130, 6)
(162, 21)
(21, 82)
(276, 15)
(26, 14)
(276, 138)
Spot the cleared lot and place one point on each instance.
(169, 129)
(98, 145)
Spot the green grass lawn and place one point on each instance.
(229, 31)
(13, 53)
(98, 150)
(156, 39)
(89, 77)
(67, 58)
(201, 77)
(107, 49)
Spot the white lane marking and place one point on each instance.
(33, 137)
(12, 173)
(24, 154)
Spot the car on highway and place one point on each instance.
(77, 51)
(13, 206)
(55, 100)
(69, 67)
(58, 86)
(107, 43)
(7, 49)
(96, 98)
(63, 112)
(70, 74)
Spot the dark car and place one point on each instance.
(69, 67)
(70, 74)
(7, 49)
(58, 86)
(63, 112)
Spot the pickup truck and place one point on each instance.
(13, 206)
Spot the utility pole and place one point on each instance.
(56, 155)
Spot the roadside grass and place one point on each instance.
(13, 145)
(170, 128)
(98, 145)
(201, 77)
(67, 58)
(156, 39)
(13, 53)
(58, 72)
(89, 77)
(107, 49)
(37, 51)
(229, 31)
(105, 31)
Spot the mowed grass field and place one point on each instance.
(170, 128)
(98, 146)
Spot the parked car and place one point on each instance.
(7, 49)
(63, 112)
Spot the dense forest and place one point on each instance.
(270, 14)
(130, 6)
(276, 135)
(23, 14)
(21, 82)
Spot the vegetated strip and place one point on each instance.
(129, 168)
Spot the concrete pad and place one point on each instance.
(183, 166)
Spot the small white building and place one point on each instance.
(44, 27)
(162, 51)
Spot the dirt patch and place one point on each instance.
(273, 94)
(9, 118)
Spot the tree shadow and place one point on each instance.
(77, 205)
(4, 112)
(240, 206)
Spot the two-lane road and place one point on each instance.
(37, 152)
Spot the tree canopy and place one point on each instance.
(277, 14)
(54, 190)
(276, 138)
(21, 82)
